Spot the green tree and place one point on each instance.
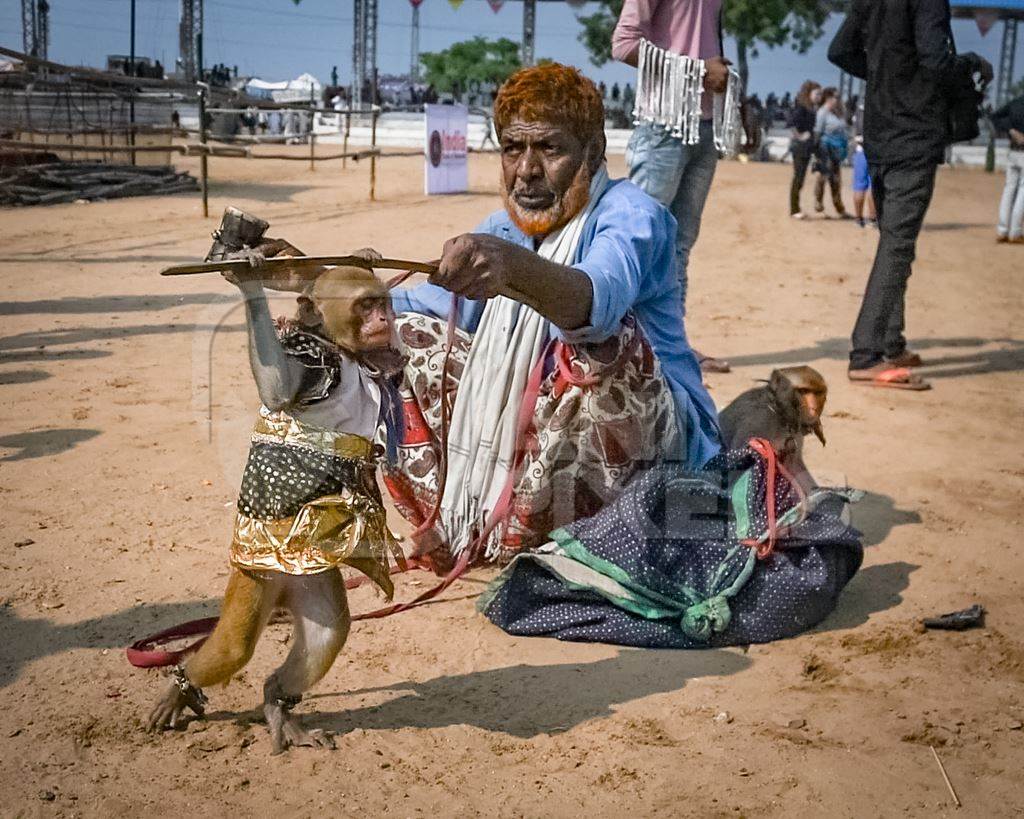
(753, 23)
(772, 23)
(470, 63)
(597, 31)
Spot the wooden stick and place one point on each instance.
(356, 155)
(942, 770)
(204, 167)
(344, 144)
(373, 159)
(76, 146)
(299, 262)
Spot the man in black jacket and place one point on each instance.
(904, 49)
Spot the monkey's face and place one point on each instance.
(803, 390)
(354, 309)
(375, 320)
(812, 404)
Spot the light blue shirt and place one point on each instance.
(628, 251)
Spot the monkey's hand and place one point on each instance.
(255, 258)
(272, 248)
(180, 694)
(288, 279)
(368, 253)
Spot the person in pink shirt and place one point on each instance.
(676, 174)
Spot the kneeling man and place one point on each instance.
(571, 370)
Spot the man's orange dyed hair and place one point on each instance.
(551, 93)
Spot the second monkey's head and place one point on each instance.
(352, 308)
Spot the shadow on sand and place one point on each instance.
(873, 589)
(24, 640)
(43, 442)
(527, 700)
(521, 700)
(1008, 359)
(110, 305)
(23, 377)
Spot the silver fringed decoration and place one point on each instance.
(668, 91)
(727, 116)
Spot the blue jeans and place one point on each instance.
(677, 175)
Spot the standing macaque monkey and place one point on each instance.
(783, 411)
(309, 500)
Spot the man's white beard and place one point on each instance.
(542, 222)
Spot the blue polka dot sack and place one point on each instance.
(733, 554)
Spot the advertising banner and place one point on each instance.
(445, 164)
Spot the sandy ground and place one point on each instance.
(126, 402)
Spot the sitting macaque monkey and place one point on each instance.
(783, 411)
(309, 500)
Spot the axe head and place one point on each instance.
(238, 230)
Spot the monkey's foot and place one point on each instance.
(286, 730)
(180, 694)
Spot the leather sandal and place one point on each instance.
(884, 375)
(908, 358)
(710, 364)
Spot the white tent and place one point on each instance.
(303, 88)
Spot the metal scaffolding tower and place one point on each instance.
(364, 52)
(1004, 79)
(358, 51)
(35, 27)
(414, 45)
(28, 27)
(190, 37)
(529, 30)
(371, 48)
(42, 28)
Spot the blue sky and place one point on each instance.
(277, 40)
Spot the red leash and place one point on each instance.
(148, 653)
(772, 466)
(145, 653)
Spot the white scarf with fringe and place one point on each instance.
(482, 435)
(669, 92)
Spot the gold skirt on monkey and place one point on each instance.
(309, 502)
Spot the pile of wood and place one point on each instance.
(13, 158)
(57, 182)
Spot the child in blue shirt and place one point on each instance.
(862, 186)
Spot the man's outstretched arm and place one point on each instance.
(480, 266)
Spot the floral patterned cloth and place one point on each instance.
(603, 414)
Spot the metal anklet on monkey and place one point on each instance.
(309, 502)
